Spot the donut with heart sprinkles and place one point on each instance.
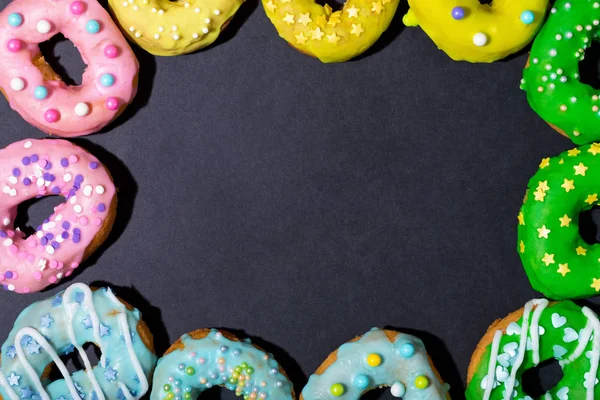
(36, 168)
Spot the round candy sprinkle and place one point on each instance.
(407, 350)
(92, 26)
(480, 39)
(43, 26)
(361, 381)
(51, 115)
(398, 389)
(167, 388)
(107, 80)
(17, 84)
(421, 382)
(15, 19)
(458, 13)
(14, 45)
(40, 92)
(190, 371)
(110, 51)
(77, 7)
(337, 389)
(81, 110)
(374, 360)
(527, 17)
(112, 103)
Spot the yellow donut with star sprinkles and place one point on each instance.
(467, 30)
(166, 28)
(331, 36)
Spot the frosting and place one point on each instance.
(467, 30)
(108, 84)
(35, 168)
(58, 326)
(558, 262)
(372, 361)
(561, 331)
(331, 36)
(167, 28)
(551, 79)
(216, 360)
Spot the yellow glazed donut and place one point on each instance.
(166, 28)
(331, 36)
(467, 30)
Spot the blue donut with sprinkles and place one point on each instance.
(52, 328)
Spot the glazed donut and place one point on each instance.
(558, 262)
(58, 326)
(36, 92)
(166, 28)
(376, 359)
(551, 78)
(209, 357)
(536, 333)
(35, 168)
(467, 30)
(331, 36)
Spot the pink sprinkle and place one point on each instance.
(60, 265)
(13, 249)
(97, 221)
(110, 51)
(193, 354)
(73, 158)
(51, 115)
(201, 361)
(23, 254)
(37, 275)
(2, 277)
(74, 265)
(26, 290)
(52, 279)
(14, 45)
(68, 273)
(15, 276)
(30, 258)
(53, 264)
(112, 103)
(83, 221)
(77, 7)
(31, 243)
(11, 233)
(94, 209)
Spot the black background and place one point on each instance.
(302, 204)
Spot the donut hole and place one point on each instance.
(538, 380)
(378, 394)
(589, 67)
(218, 393)
(35, 210)
(64, 58)
(486, 1)
(73, 361)
(588, 225)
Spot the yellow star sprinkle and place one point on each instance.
(543, 232)
(522, 247)
(289, 18)
(334, 19)
(548, 259)
(301, 39)
(581, 251)
(357, 30)
(543, 186)
(539, 196)
(594, 148)
(573, 152)
(271, 6)
(565, 220)
(286, 1)
(545, 162)
(352, 12)
(328, 9)
(563, 269)
(568, 185)
(317, 34)
(521, 218)
(377, 7)
(384, 2)
(304, 19)
(591, 199)
(596, 284)
(333, 38)
(562, 161)
(580, 169)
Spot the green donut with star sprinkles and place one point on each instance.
(558, 262)
(551, 79)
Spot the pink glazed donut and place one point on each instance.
(45, 167)
(36, 92)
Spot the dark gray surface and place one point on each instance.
(303, 203)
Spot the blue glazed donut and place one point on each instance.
(63, 324)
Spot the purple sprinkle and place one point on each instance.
(76, 232)
(65, 235)
(78, 179)
(48, 165)
(64, 162)
(34, 158)
(76, 238)
(16, 172)
(55, 245)
(101, 207)
(44, 241)
(71, 192)
(51, 178)
(46, 220)
(66, 225)
(5, 287)
(49, 236)
(56, 190)
(26, 160)
(46, 176)
(26, 181)
(76, 187)
(8, 274)
(93, 165)
(3, 234)
(39, 228)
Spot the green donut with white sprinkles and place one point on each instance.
(558, 262)
(551, 79)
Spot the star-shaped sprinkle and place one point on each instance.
(352, 12)
(46, 321)
(110, 374)
(79, 297)
(11, 352)
(565, 220)
(573, 152)
(539, 195)
(563, 269)
(289, 19)
(521, 218)
(545, 162)
(25, 340)
(300, 38)
(594, 148)
(592, 198)
(377, 7)
(132, 334)
(581, 251)
(104, 330)
(87, 322)
(580, 169)
(543, 232)
(271, 6)
(596, 284)
(522, 247)
(543, 186)
(333, 38)
(317, 34)
(33, 347)
(334, 19)
(57, 301)
(69, 349)
(357, 29)
(568, 185)
(304, 19)
(26, 392)
(328, 9)
(13, 379)
(548, 259)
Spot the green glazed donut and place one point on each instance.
(551, 79)
(557, 260)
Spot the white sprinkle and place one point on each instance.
(7, 242)
(59, 239)
(156, 36)
(217, 12)
(42, 264)
(559, 71)
(59, 275)
(175, 37)
(67, 178)
(553, 76)
(535, 60)
(553, 53)
(596, 22)
(567, 5)
(73, 200)
(59, 217)
(569, 35)
(161, 29)
(132, 29)
(87, 191)
(579, 28)
(125, 4)
(51, 224)
(6, 189)
(77, 208)
(558, 36)
(552, 86)
(49, 249)
(563, 79)
(100, 189)
(39, 234)
(596, 5)
(17, 84)
(548, 67)
(154, 10)
(207, 20)
(82, 109)
(174, 28)
(186, 4)
(43, 26)
(576, 133)
(12, 180)
(161, 12)
(544, 78)
(205, 30)
(11, 287)
(13, 192)
(138, 34)
(195, 35)
(197, 10)
(595, 108)
(573, 99)
(588, 27)
(6, 221)
(553, 10)
(28, 144)
(135, 8)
